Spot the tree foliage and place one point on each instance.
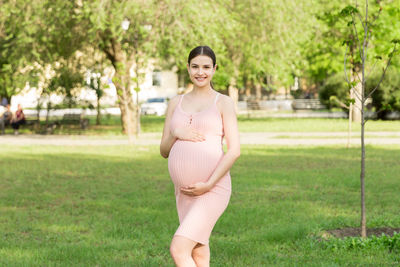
(387, 97)
(17, 46)
(259, 44)
(333, 90)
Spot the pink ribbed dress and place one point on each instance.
(192, 162)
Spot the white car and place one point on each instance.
(156, 106)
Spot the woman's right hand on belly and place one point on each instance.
(187, 133)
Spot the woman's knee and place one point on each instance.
(174, 250)
(181, 251)
(178, 251)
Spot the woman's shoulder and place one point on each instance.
(173, 102)
(225, 103)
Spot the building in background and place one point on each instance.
(156, 83)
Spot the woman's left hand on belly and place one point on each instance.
(196, 189)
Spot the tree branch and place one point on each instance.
(359, 78)
(107, 49)
(343, 105)
(384, 71)
(379, 111)
(355, 106)
(357, 94)
(373, 67)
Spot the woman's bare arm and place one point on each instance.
(232, 141)
(231, 155)
(167, 139)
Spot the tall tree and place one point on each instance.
(366, 21)
(125, 32)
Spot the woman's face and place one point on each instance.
(201, 70)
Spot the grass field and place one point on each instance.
(111, 125)
(155, 124)
(115, 206)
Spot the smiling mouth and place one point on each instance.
(200, 78)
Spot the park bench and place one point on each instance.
(252, 107)
(74, 119)
(307, 104)
(252, 104)
(31, 123)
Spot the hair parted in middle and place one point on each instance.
(202, 50)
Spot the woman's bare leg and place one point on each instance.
(201, 255)
(181, 251)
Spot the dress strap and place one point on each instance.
(216, 98)
(180, 99)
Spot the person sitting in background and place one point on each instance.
(18, 120)
(5, 118)
(4, 102)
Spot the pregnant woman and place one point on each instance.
(194, 127)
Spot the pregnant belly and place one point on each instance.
(192, 162)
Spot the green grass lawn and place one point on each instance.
(311, 125)
(111, 125)
(115, 206)
(155, 124)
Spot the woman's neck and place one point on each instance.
(203, 91)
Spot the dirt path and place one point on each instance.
(280, 138)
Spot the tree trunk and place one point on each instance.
(357, 105)
(128, 116)
(48, 112)
(247, 90)
(233, 93)
(137, 111)
(362, 102)
(98, 112)
(122, 81)
(38, 108)
(137, 89)
(126, 105)
(362, 180)
(258, 92)
(350, 119)
(362, 175)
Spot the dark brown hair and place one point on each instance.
(202, 50)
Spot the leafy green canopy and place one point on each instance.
(252, 39)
